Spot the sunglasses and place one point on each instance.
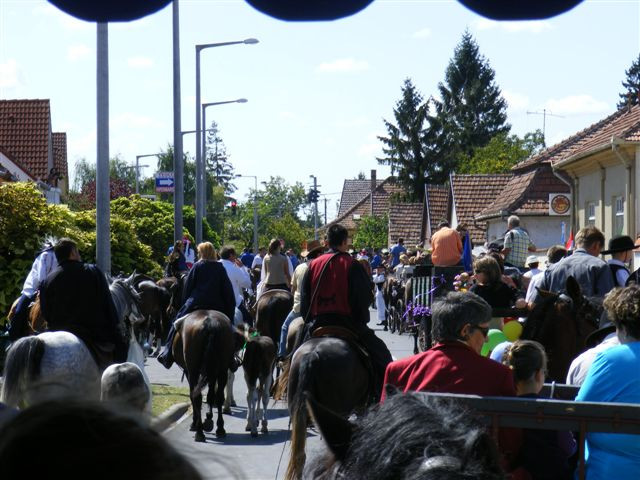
(483, 330)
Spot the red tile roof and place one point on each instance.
(59, 140)
(472, 194)
(14, 160)
(526, 194)
(437, 201)
(407, 220)
(352, 192)
(624, 124)
(25, 133)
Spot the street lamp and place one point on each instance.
(138, 166)
(199, 164)
(255, 210)
(203, 187)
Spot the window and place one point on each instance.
(590, 214)
(618, 215)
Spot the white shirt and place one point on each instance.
(42, 266)
(257, 262)
(535, 282)
(189, 254)
(239, 279)
(581, 364)
(532, 273)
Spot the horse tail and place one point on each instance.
(302, 383)
(21, 367)
(209, 367)
(251, 361)
(280, 387)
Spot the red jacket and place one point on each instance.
(451, 367)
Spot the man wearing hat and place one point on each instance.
(620, 248)
(311, 251)
(531, 263)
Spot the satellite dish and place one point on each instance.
(110, 10)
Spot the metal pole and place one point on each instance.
(325, 210)
(137, 174)
(198, 154)
(315, 208)
(178, 165)
(255, 217)
(203, 145)
(103, 245)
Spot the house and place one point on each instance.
(354, 190)
(407, 221)
(13, 170)
(26, 140)
(437, 201)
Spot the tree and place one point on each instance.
(165, 164)
(471, 110)
(118, 170)
(503, 152)
(631, 95)
(406, 144)
(371, 232)
(217, 163)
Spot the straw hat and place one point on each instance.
(312, 246)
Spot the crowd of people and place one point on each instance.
(332, 284)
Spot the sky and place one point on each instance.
(317, 92)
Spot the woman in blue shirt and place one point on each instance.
(614, 376)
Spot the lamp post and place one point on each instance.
(199, 169)
(315, 207)
(138, 167)
(203, 145)
(255, 210)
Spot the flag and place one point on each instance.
(563, 229)
(569, 244)
(466, 254)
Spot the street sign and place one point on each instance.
(164, 182)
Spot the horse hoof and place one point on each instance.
(221, 433)
(233, 403)
(254, 433)
(193, 428)
(247, 428)
(226, 410)
(200, 437)
(207, 425)
(264, 430)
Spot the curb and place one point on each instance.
(171, 417)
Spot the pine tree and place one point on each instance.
(471, 110)
(219, 169)
(631, 96)
(405, 144)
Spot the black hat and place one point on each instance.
(606, 327)
(619, 243)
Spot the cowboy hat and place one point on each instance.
(531, 259)
(312, 246)
(606, 328)
(619, 243)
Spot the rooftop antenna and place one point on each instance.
(544, 114)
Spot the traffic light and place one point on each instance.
(234, 206)
(313, 195)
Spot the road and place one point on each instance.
(238, 455)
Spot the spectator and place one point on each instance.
(397, 250)
(239, 279)
(258, 259)
(189, 254)
(516, 243)
(376, 261)
(554, 255)
(532, 264)
(293, 258)
(446, 246)
(247, 257)
(613, 377)
(621, 251)
(592, 274)
(489, 284)
(544, 453)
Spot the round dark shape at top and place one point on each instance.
(110, 10)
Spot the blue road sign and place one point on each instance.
(164, 182)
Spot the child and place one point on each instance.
(544, 453)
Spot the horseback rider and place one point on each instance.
(336, 291)
(42, 266)
(177, 263)
(207, 288)
(75, 298)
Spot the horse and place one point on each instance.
(561, 323)
(203, 347)
(126, 300)
(410, 435)
(317, 364)
(272, 308)
(258, 362)
(154, 304)
(49, 366)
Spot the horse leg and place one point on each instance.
(266, 388)
(229, 401)
(196, 402)
(222, 383)
(207, 425)
(252, 401)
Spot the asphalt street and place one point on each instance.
(238, 455)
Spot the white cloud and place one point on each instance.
(78, 52)
(532, 26)
(516, 101)
(132, 120)
(576, 105)
(9, 74)
(139, 62)
(343, 65)
(423, 33)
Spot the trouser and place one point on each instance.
(20, 317)
(282, 349)
(246, 316)
(165, 357)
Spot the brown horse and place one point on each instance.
(258, 362)
(561, 323)
(203, 347)
(272, 308)
(330, 371)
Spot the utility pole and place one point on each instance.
(103, 235)
(325, 210)
(315, 206)
(178, 160)
(544, 114)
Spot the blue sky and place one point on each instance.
(317, 91)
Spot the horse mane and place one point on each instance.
(21, 367)
(536, 319)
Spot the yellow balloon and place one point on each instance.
(512, 330)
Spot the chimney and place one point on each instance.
(373, 180)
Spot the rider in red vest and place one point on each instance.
(336, 290)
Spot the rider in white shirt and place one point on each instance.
(239, 279)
